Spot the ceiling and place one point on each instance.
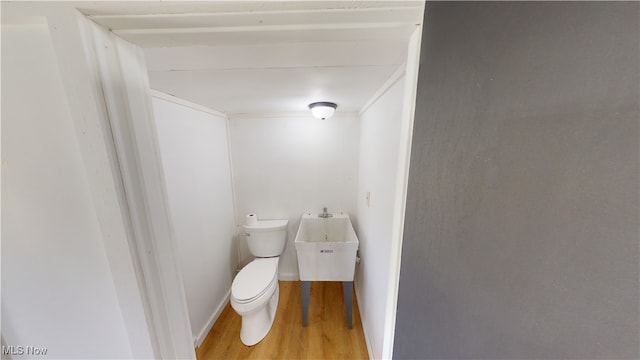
(267, 57)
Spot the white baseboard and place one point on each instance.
(212, 320)
(288, 276)
(364, 325)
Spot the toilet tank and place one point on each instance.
(267, 237)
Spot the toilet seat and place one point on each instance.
(254, 280)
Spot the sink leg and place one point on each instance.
(347, 292)
(306, 290)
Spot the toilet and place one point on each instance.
(255, 291)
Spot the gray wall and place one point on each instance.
(522, 225)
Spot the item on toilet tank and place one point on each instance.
(252, 219)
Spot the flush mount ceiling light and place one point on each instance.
(323, 109)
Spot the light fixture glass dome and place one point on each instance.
(322, 110)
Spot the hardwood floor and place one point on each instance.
(326, 336)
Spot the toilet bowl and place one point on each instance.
(255, 291)
(254, 296)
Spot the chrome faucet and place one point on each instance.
(325, 214)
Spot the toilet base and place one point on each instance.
(256, 325)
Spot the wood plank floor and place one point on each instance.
(326, 336)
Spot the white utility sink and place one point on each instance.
(326, 248)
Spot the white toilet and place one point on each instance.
(255, 290)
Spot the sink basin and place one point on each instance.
(326, 248)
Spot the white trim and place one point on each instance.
(288, 276)
(397, 75)
(367, 337)
(73, 41)
(236, 216)
(212, 320)
(406, 132)
(151, 209)
(176, 100)
(264, 28)
(258, 13)
(125, 87)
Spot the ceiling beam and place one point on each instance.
(260, 18)
(218, 6)
(276, 55)
(286, 34)
(266, 28)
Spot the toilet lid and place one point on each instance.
(254, 278)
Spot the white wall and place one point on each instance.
(57, 288)
(195, 158)
(379, 151)
(287, 165)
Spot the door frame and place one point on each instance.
(109, 97)
(400, 200)
(125, 173)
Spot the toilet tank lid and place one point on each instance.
(267, 225)
(254, 278)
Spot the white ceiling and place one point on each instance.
(261, 57)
